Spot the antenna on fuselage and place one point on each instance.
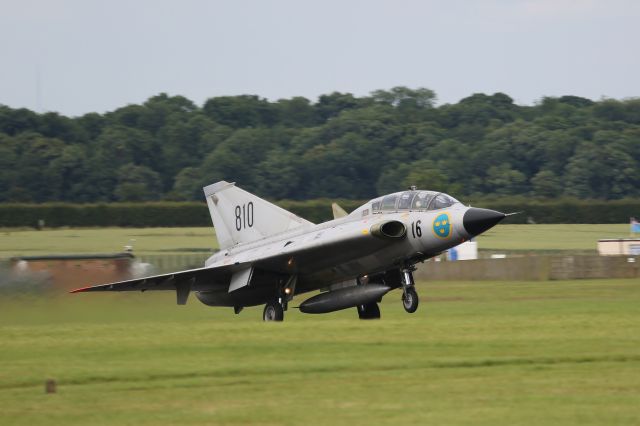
(413, 187)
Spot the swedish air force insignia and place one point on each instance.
(442, 226)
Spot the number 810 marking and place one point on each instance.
(244, 216)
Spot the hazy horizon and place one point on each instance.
(76, 57)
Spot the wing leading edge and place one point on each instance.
(200, 279)
(316, 250)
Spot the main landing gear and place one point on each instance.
(369, 311)
(273, 311)
(409, 295)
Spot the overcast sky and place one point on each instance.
(79, 56)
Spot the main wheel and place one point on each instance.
(273, 312)
(369, 311)
(410, 300)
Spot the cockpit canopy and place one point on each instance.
(411, 200)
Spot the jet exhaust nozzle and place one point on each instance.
(344, 298)
(390, 230)
(476, 220)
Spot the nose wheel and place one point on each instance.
(410, 300)
(409, 295)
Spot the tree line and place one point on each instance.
(192, 213)
(340, 146)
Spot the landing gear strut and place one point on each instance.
(274, 309)
(409, 295)
(368, 311)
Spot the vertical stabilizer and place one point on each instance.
(241, 217)
(338, 211)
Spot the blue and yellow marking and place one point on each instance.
(442, 226)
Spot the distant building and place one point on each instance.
(66, 272)
(619, 246)
(465, 251)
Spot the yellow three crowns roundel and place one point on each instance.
(442, 226)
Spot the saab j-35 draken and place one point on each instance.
(269, 255)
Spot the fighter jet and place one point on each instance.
(269, 255)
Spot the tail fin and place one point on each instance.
(338, 211)
(240, 217)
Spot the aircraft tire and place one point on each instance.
(368, 311)
(273, 312)
(410, 300)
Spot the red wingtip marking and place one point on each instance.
(78, 290)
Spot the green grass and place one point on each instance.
(190, 240)
(557, 237)
(475, 353)
(20, 242)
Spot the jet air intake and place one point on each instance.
(344, 298)
(389, 230)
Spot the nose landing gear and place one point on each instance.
(409, 295)
(410, 300)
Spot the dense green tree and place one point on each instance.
(277, 176)
(120, 145)
(137, 183)
(159, 109)
(393, 178)
(239, 156)
(546, 184)
(338, 146)
(575, 101)
(426, 175)
(348, 165)
(34, 174)
(332, 105)
(92, 125)
(478, 110)
(70, 168)
(601, 172)
(296, 112)
(403, 97)
(241, 111)
(8, 161)
(188, 185)
(184, 141)
(129, 116)
(14, 121)
(505, 180)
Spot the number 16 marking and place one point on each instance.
(415, 229)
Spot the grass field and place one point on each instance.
(190, 240)
(556, 237)
(565, 353)
(23, 242)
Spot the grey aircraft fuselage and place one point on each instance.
(268, 255)
(331, 266)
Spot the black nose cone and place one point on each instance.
(476, 221)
